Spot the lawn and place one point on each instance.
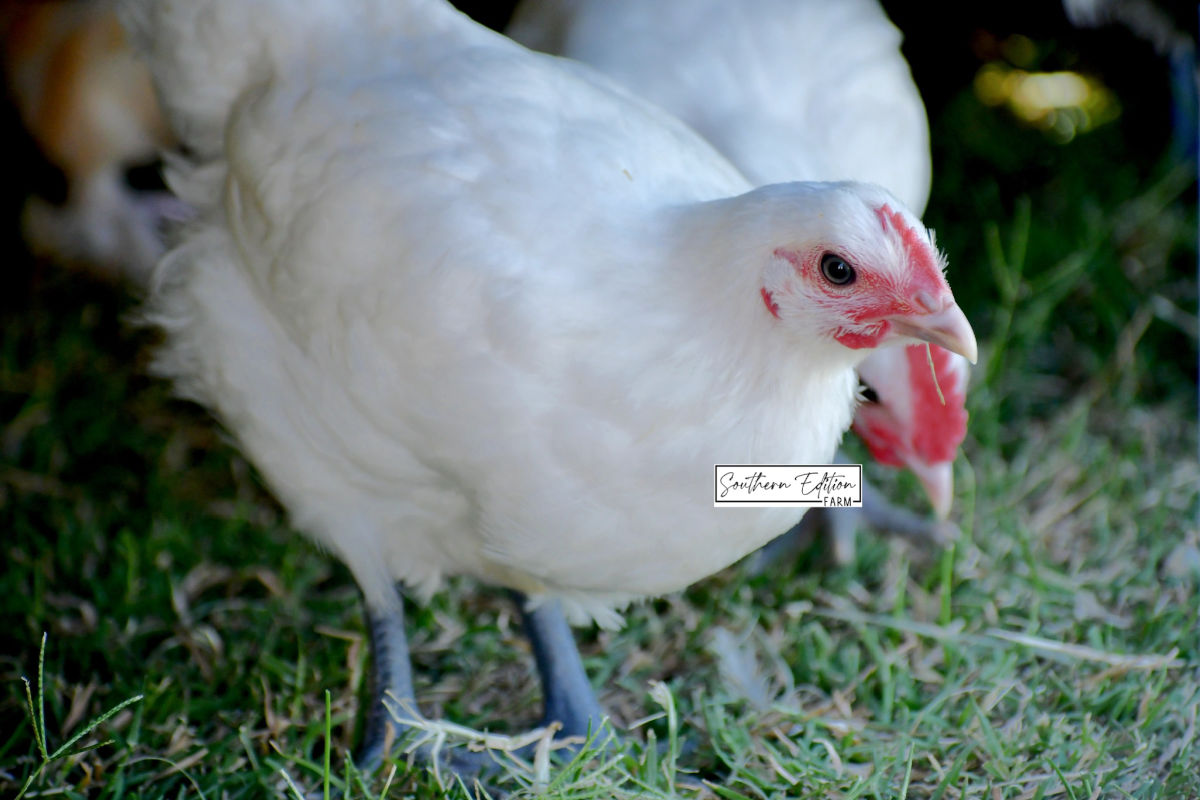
(195, 646)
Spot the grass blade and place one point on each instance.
(97, 722)
(328, 740)
(41, 694)
(33, 720)
(908, 765)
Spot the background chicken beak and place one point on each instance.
(938, 480)
(948, 328)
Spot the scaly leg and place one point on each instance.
(391, 682)
(566, 692)
(842, 525)
(390, 677)
(884, 517)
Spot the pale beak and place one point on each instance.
(947, 328)
(938, 480)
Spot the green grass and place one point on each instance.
(196, 647)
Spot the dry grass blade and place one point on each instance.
(1084, 653)
(933, 373)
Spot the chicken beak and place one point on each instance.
(947, 328)
(938, 480)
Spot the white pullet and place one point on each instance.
(474, 310)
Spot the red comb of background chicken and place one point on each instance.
(920, 428)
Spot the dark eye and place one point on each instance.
(867, 393)
(836, 270)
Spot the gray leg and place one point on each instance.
(788, 545)
(842, 525)
(567, 694)
(390, 677)
(887, 518)
(391, 680)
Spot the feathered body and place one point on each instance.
(476, 311)
(787, 90)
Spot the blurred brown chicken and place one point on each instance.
(89, 106)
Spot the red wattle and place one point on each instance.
(769, 302)
(857, 340)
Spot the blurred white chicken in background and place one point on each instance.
(89, 106)
(474, 310)
(794, 90)
(785, 89)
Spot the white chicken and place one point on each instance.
(473, 310)
(764, 83)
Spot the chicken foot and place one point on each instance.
(568, 696)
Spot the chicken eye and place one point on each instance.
(836, 270)
(867, 394)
